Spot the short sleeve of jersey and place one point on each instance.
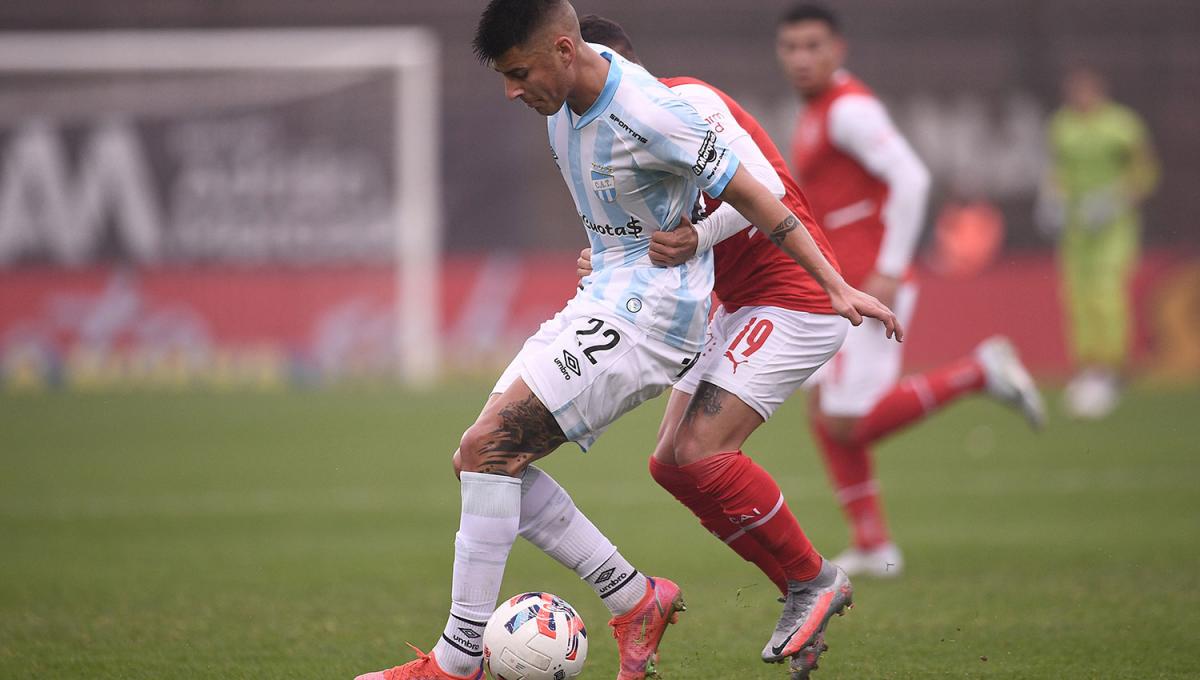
(684, 144)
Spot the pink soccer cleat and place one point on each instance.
(424, 667)
(639, 630)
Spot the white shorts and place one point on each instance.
(764, 354)
(867, 366)
(589, 367)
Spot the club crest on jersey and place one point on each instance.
(605, 186)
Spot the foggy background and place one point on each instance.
(172, 227)
(969, 81)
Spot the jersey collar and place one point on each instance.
(606, 94)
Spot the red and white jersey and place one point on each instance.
(750, 270)
(867, 187)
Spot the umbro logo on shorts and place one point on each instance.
(568, 361)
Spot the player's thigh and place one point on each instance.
(715, 421)
(664, 449)
(769, 354)
(689, 384)
(1117, 249)
(546, 334)
(596, 370)
(492, 397)
(867, 365)
(716, 337)
(514, 429)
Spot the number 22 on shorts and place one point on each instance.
(610, 335)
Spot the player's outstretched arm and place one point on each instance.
(1144, 171)
(759, 206)
(860, 127)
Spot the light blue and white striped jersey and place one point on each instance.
(634, 163)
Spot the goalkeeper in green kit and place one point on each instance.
(1102, 168)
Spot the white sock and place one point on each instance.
(618, 584)
(491, 512)
(550, 520)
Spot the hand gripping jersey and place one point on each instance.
(750, 270)
(634, 163)
(845, 152)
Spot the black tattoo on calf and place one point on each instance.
(707, 401)
(527, 431)
(781, 230)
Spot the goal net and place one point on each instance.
(240, 206)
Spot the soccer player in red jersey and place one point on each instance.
(774, 330)
(635, 157)
(868, 190)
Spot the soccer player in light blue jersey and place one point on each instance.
(635, 158)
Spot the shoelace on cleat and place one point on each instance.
(641, 636)
(797, 605)
(420, 654)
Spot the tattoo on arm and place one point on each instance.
(781, 230)
(707, 401)
(527, 431)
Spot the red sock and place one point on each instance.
(681, 486)
(850, 468)
(751, 499)
(917, 396)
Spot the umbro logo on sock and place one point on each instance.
(468, 633)
(605, 575)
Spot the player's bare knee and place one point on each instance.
(664, 449)
(471, 448)
(665, 453)
(488, 448)
(691, 445)
(839, 429)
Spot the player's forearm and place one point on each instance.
(791, 236)
(726, 220)
(723, 223)
(1144, 173)
(904, 214)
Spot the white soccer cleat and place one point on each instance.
(1009, 381)
(886, 561)
(1092, 395)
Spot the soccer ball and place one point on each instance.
(534, 636)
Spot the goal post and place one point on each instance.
(409, 54)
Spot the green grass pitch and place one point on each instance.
(310, 535)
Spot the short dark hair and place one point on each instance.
(811, 11)
(597, 29)
(505, 24)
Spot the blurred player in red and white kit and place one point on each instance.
(868, 189)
